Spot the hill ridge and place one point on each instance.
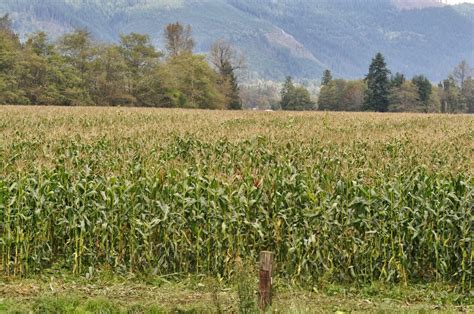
(279, 37)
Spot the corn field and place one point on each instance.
(338, 197)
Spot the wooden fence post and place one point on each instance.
(265, 280)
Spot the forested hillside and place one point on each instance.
(285, 37)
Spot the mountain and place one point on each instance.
(417, 4)
(280, 37)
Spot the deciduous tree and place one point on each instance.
(462, 72)
(227, 62)
(295, 97)
(178, 39)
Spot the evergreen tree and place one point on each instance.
(398, 79)
(377, 95)
(424, 88)
(327, 78)
(234, 101)
(287, 93)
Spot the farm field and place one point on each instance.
(342, 199)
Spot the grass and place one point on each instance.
(344, 200)
(198, 294)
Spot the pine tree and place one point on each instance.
(327, 78)
(398, 79)
(424, 88)
(377, 96)
(234, 101)
(287, 93)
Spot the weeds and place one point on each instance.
(246, 285)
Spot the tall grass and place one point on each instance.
(355, 199)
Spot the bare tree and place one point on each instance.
(462, 72)
(224, 57)
(178, 39)
(227, 61)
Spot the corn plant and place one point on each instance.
(358, 198)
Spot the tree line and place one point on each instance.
(383, 92)
(76, 70)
